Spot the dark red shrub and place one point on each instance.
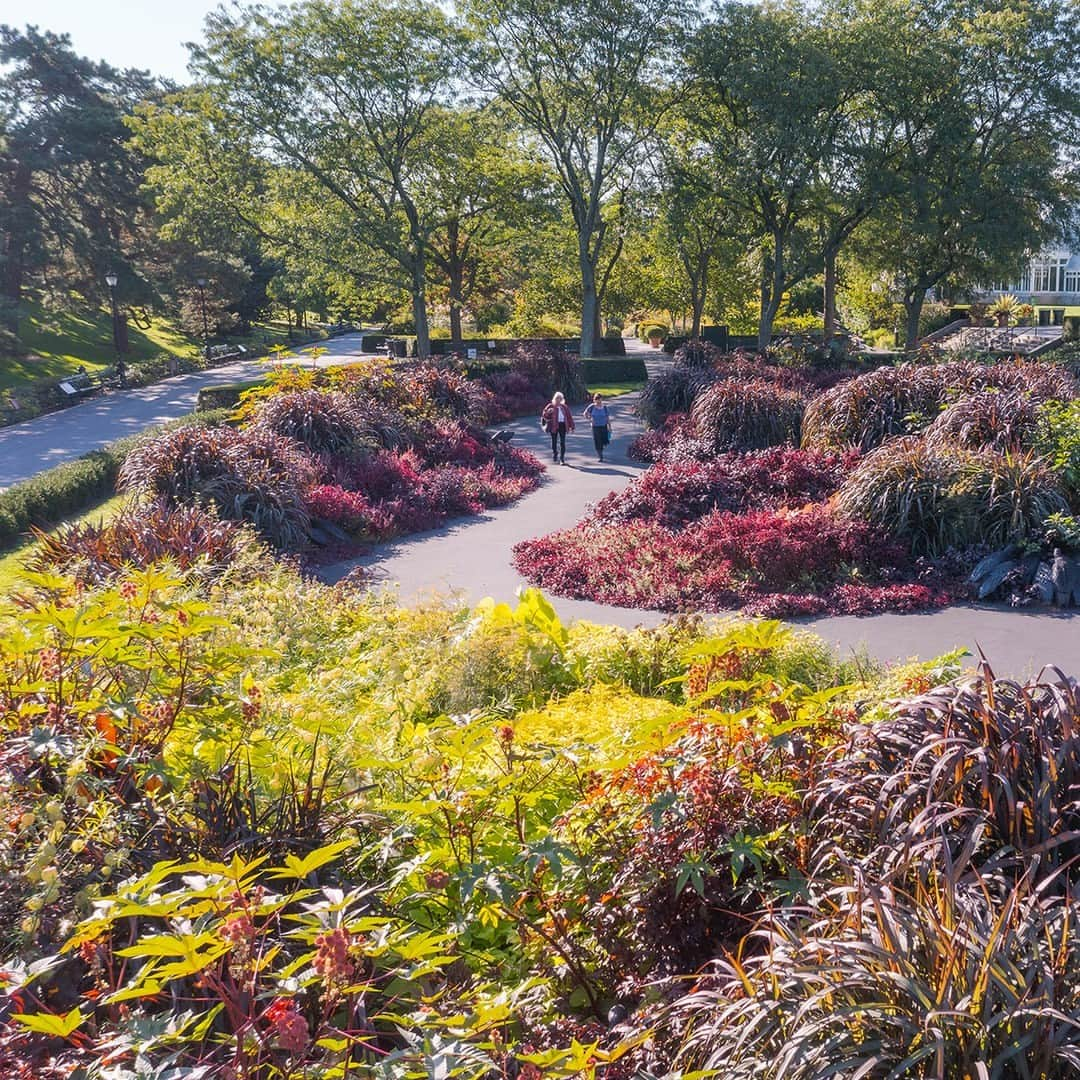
(349, 509)
(675, 493)
(514, 393)
(384, 476)
(801, 562)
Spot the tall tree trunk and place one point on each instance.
(913, 304)
(456, 277)
(830, 294)
(590, 308)
(699, 289)
(772, 292)
(18, 219)
(764, 322)
(419, 306)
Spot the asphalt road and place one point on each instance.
(35, 445)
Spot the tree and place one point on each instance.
(985, 107)
(69, 182)
(695, 218)
(488, 192)
(348, 96)
(584, 76)
(770, 91)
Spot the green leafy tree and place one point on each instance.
(769, 96)
(584, 77)
(347, 97)
(984, 173)
(489, 192)
(69, 181)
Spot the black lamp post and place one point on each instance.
(112, 280)
(201, 282)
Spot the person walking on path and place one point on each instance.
(596, 412)
(557, 420)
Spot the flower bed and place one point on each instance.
(908, 478)
(376, 453)
(767, 562)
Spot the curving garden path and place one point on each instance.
(34, 445)
(470, 560)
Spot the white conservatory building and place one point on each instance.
(1050, 283)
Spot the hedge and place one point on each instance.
(223, 395)
(75, 486)
(598, 372)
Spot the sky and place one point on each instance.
(126, 33)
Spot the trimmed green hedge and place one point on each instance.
(600, 371)
(75, 486)
(223, 395)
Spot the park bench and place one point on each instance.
(77, 386)
(220, 353)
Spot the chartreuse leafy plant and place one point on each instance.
(285, 830)
(281, 973)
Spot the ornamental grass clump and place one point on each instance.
(986, 771)
(325, 422)
(865, 411)
(1003, 420)
(435, 391)
(672, 391)
(254, 476)
(951, 980)
(750, 415)
(95, 553)
(697, 354)
(936, 496)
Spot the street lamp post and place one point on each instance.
(201, 282)
(112, 281)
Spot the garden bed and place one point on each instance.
(257, 826)
(320, 465)
(913, 487)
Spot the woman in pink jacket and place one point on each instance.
(557, 420)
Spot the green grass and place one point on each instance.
(616, 388)
(58, 342)
(11, 564)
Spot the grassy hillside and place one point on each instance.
(57, 342)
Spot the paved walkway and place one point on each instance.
(470, 559)
(36, 445)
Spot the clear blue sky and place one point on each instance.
(126, 33)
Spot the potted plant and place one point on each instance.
(655, 333)
(1004, 309)
(1025, 313)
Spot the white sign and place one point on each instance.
(470, 353)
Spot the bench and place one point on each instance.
(220, 353)
(77, 386)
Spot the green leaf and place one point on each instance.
(51, 1023)
(300, 868)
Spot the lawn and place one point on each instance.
(59, 342)
(614, 389)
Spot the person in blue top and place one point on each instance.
(597, 413)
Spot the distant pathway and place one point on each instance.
(35, 445)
